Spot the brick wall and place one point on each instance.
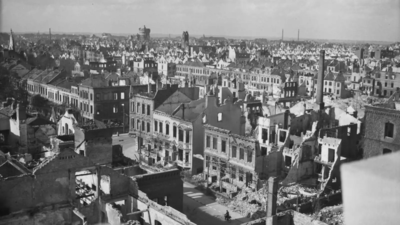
(375, 142)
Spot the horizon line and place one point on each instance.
(200, 35)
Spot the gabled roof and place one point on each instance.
(163, 94)
(340, 77)
(329, 76)
(11, 168)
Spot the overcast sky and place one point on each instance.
(323, 19)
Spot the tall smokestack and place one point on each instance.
(320, 81)
(282, 34)
(298, 35)
(272, 198)
(50, 33)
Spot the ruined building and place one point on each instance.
(382, 127)
(75, 182)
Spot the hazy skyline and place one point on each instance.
(377, 20)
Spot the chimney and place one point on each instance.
(282, 34)
(148, 85)
(21, 113)
(298, 35)
(183, 111)
(355, 114)
(271, 201)
(286, 120)
(50, 33)
(320, 81)
(130, 91)
(157, 85)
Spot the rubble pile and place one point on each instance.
(289, 192)
(199, 178)
(332, 215)
(247, 203)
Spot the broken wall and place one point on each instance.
(114, 215)
(119, 184)
(159, 185)
(274, 163)
(53, 182)
(96, 144)
(162, 214)
(16, 194)
(45, 217)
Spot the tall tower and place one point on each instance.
(282, 34)
(320, 81)
(50, 34)
(185, 39)
(11, 45)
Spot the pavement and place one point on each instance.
(198, 207)
(204, 210)
(129, 145)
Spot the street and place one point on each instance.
(129, 145)
(199, 208)
(204, 210)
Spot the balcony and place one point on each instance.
(318, 159)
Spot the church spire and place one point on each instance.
(11, 44)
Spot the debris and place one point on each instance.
(332, 215)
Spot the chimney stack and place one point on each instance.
(148, 85)
(271, 201)
(298, 35)
(157, 85)
(286, 119)
(282, 34)
(320, 81)
(50, 33)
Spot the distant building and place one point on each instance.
(144, 34)
(185, 40)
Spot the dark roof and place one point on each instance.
(340, 77)
(68, 82)
(163, 94)
(95, 82)
(37, 121)
(6, 112)
(12, 168)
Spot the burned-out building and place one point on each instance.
(321, 138)
(232, 162)
(81, 186)
(382, 127)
